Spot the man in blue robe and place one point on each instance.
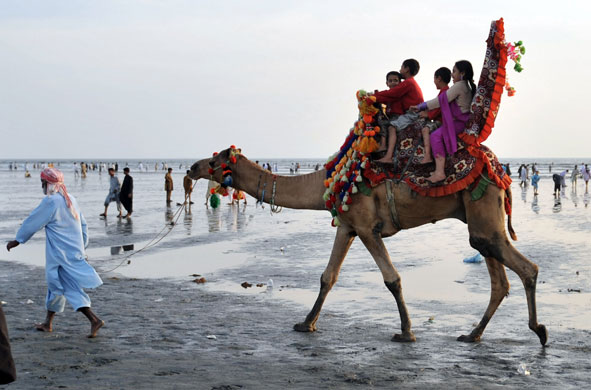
(66, 269)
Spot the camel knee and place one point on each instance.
(394, 286)
(531, 279)
(486, 247)
(327, 280)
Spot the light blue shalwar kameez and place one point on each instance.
(66, 269)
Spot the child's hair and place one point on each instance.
(394, 73)
(444, 73)
(466, 68)
(412, 65)
(125, 169)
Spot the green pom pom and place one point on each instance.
(522, 49)
(214, 201)
(518, 43)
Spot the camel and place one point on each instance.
(370, 219)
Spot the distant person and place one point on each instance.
(550, 167)
(126, 194)
(168, 185)
(507, 169)
(586, 174)
(83, 169)
(523, 176)
(113, 195)
(238, 195)
(188, 187)
(27, 174)
(76, 171)
(7, 368)
(66, 269)
(557, 179)
(534, 181)
(573, 177)
(563, 178)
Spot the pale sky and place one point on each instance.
(182, 79)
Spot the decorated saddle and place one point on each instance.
(352, 170)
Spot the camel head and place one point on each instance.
(215, 166)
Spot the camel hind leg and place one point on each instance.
(486, 219)
(499, 288)
(343, 240)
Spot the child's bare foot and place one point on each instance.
(427, 160)
(385, 159)
(94, 328)
(44, 327)
(436, 177)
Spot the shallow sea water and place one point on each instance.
(445, 296)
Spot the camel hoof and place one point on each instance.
(468, 338)
(542, 333)
(303, 327)
(406, 337)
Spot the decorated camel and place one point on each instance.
(370, 218)
(370, 202)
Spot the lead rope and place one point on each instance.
(154, 240)
(274, 209)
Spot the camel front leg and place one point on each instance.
(375, 245)
(499, 288)
(343, 240)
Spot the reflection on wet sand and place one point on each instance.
(115, 250)
(534, 205)
(188, 219)
(557, 205)
(586, 198)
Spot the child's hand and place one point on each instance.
(424, 114)
(414, 108)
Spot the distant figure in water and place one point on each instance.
(168, 185)
(557, 179)
(534, 181)
(563, 178)
(126, 194)
(586, 174)
(573, 177)
(66, 269)
(113, 195)
(188, 187)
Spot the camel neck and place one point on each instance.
(296, 192)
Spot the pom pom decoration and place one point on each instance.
(214, 201)
(344, 168)
(515, 51)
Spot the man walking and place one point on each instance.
(126, 194)
(113, 195)
(66, 269)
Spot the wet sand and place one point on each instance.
(156, 332)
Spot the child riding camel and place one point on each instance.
(400, 98)
(441, 79)
(455, 111)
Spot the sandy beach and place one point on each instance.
(163, 331)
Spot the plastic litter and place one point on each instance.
(211, 337)
(28, 302)
(270, 284)
(523, 369)
(477, 258)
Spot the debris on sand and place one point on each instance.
(246, 284)
(211, 337)
(200, 280)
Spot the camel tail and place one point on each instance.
(508, 209)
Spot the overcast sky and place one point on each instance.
(182, 79)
